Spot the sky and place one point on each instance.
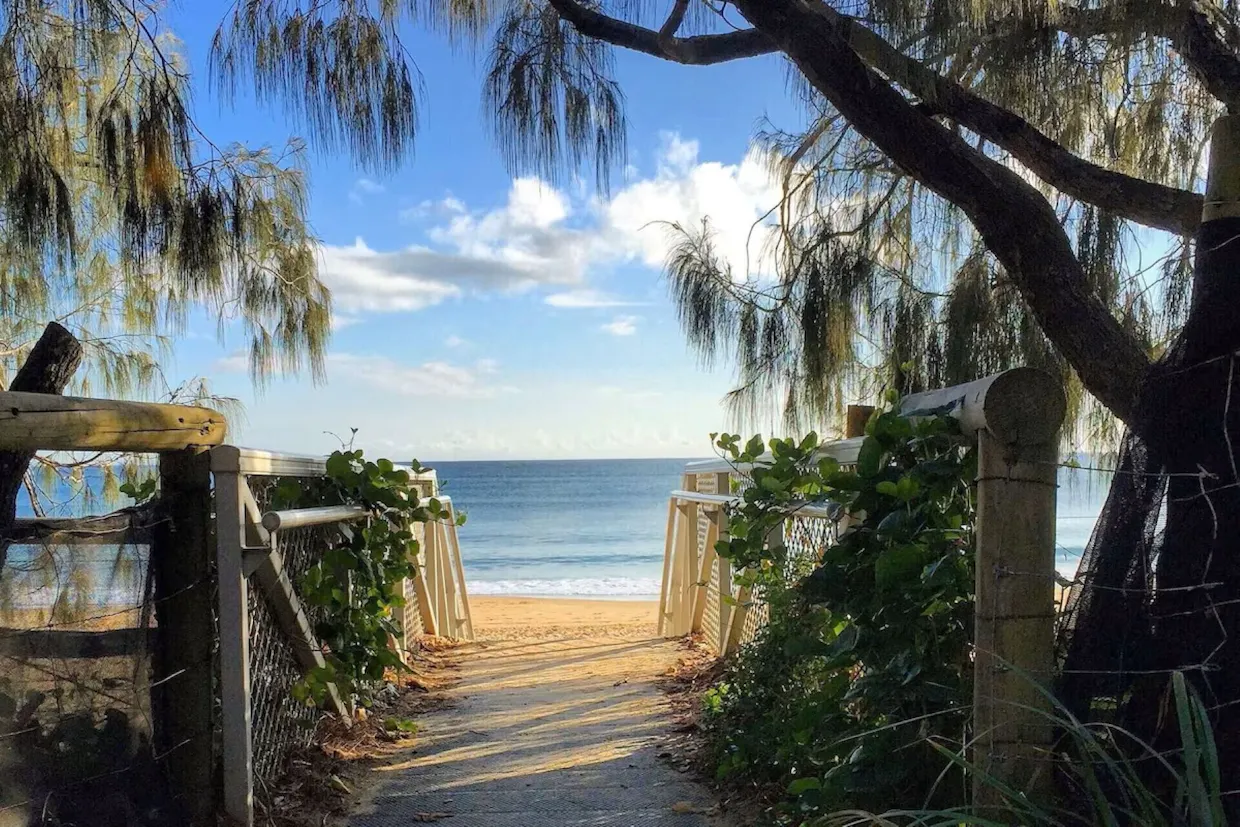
(479, 315)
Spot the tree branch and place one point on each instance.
(1145, 202)
(1154, 205)
(1017, 223)
(699, 50)
(667, 34)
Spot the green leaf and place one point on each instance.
(869, 458)
(804, 785)
(898, 564)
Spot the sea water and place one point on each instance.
(595, 528)
(575, 528)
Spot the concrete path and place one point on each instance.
(546, 732)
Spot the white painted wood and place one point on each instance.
(702, 586)
(252, 461)
(459, 567)
(456, 617)
(843, 451)
(669, 546)
(234, 628)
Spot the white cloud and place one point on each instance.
(363, 187)
(486, 366)
(455, 341)
(541, 237)
(621, 326)
(575, 299)
(236, 362)
(429, 379)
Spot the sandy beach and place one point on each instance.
(508, 618)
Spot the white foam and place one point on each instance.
(569, 587)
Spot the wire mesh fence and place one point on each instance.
(279, 723)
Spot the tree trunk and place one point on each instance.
(1189, 414)
(51, 364)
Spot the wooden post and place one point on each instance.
(723, 568)
(689, 563)
(709, 556)
(665, 589)
(1015, 617)
(458, 564)
(855, 419)
(234, 619)
(183, 694)
(456, 615)
(421, 590)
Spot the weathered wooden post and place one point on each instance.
(183, 683)
(1015, 417)
(855, 418)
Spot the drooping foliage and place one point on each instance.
(118, 216)
(866, 267)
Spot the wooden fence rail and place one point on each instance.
(209, 543)
(249, 551)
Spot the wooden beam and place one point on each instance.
(129, 527)
(1019, 406)
(182, 695)
(669, 551)
(44, 422)
(857, 416)
(63, 644)
(709, 556)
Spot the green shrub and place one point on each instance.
(1108, 777)
(865, 657)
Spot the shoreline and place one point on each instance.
(512, 616)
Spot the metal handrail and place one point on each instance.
(843, 451)
(304, 517)
(320, 515)
(829, 512)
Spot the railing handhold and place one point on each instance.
(305, 517)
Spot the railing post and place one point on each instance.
(1015, 617)
(234, 627)
(458, 566)
(669, 551)
(182, 695)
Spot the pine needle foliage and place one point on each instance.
(870, 280)
(118, 216)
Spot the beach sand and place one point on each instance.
(511, 618)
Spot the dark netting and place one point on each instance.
(1111, 594)
(77, 626)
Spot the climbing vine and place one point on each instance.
(865, 658)
(356, 584)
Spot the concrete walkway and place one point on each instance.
(546, 732)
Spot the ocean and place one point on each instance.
(562, 528)
(595, 528)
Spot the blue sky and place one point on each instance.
(482, 316)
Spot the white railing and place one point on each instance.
(272, 548)
(699, 594)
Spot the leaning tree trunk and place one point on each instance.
(1189, 414)
(51, 364)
